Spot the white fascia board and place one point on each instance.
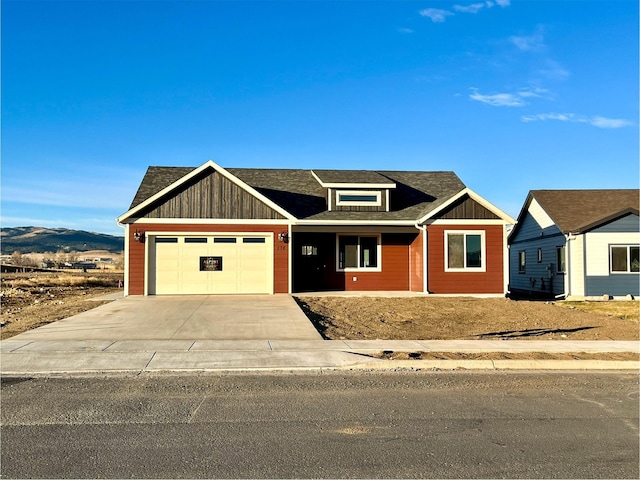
(197, 171)
(352, 185)
(506, 218)
(359, 185)
(209, 221)
(465, 222)
(356, 222)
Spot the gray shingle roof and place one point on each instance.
(575, 211)
(298, 192)
(156, 179)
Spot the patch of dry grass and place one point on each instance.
(626, 310)
(61, 280)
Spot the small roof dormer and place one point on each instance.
(355, 190)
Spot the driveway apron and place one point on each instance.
(192, 317)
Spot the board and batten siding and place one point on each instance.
(137, 250)
(466, 208)
(491, 281)
(599, 278)
(210, 195)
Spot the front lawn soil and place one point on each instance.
(450, 318)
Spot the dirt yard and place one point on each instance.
(32, 300)
(445, 318)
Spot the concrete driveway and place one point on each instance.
(184, 317)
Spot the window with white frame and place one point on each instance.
(359, 252)
(561, 264)
(625, 258)
(522, 261)
(358, 198)
(464, 251)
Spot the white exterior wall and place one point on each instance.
(575, 265)
(598, 250)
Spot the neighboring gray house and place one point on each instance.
(576, 243)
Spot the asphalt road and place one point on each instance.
(351, 425)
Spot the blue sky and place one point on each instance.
(511, 95)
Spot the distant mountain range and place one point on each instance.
(40, 240)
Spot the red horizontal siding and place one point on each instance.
(416, 264)
(137, 250)
(489, 282)
(395, 268)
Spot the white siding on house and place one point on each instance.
(598, 250)
(575, 265)
(539, 215)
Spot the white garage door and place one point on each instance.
(210, 264)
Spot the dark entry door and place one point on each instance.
(311, 261)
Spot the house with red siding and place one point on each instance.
(214, 230)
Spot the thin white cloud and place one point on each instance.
(405, 30)
(472, 8)
(595, 121)
(437, 15)
(603, 122)
(529, 43)
(514, 99)
(555, 71)
(499, 99)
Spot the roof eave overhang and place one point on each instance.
(208, 164)
(403, 223)
(607, 219)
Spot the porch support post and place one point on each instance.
(290, 259)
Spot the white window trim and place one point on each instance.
(378, 238)
(483, 251)
(628, 271)
(347, 203)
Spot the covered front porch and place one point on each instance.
(357, 259)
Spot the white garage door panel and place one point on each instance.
(167, 267)
(247, 265)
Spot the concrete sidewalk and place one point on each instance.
(24, 356)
